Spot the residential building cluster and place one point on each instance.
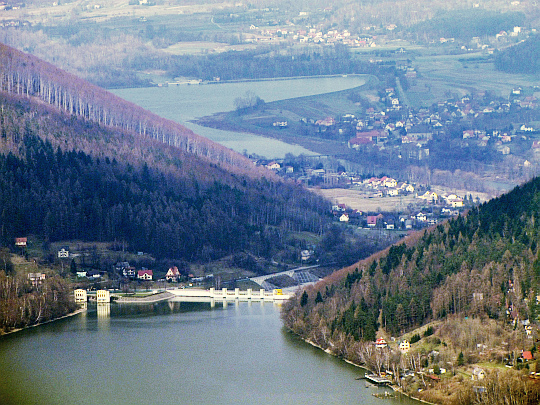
(309, 35)
(506, 126)
(129, 272)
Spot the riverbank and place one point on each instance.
(269, 79)
(227, 122)
(394, 387)
(297, 112)
(12, 331)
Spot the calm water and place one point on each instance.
(183, 103)
(174, 353)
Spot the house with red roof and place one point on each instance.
(172, 274)
(145, 274)
(380, 343)
(527, 355)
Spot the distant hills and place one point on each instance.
(520, 58)
(466, 24)
(76, 162)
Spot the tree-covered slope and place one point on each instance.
(481, 264)
(521, 58)
(465, 24)
(23, 74)
(65, 177)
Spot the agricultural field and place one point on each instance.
(363, 200)
(56, 12)
(441, 76)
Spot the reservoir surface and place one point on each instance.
(182, 103)
(174, 353)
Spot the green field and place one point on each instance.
(442, 76)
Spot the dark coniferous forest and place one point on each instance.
(172, 205)
(521, 58)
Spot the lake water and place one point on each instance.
(186, 102)
(174, 353)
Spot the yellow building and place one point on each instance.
(103, 296)
(80, 295)
(404, 346)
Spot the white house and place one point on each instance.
(421, 217)
(456, 202)
(273, 166)
(478, 374)
(63, 252)
(344, 218)
(172, 274)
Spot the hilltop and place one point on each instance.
(476, 276)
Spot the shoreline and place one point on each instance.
(12, 331)
(228, 121)
(221, 122)
(392, 386)
(262, 79)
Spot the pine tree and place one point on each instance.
(319, 297)
(304, 299)
(460, 359)
(73, 267)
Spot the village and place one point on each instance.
(372, 37)
(501, 133)
(499, 127)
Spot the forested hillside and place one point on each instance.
(76, 163)
(492, 251)
(521, 58)
(466, 24)
(66, 178)
(23, 74)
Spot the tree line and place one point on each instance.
(466, 24)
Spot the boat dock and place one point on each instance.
(375, 379)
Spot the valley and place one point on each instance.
(391, 147)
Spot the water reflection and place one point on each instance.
(103, 316)
(231, 355)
